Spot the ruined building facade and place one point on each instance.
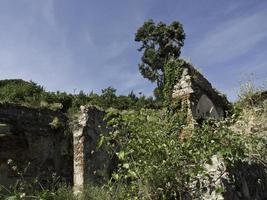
(34, 139)
(47, 142)
(198, 96)
(39, 136)
(42, 142)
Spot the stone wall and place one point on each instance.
(196, 92)
(91, 164)
(36, 137)
(249, 181)
(244, 180)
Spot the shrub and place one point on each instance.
(55, 124)
(17, 91)
(155, 164)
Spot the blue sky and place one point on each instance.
(89, 45)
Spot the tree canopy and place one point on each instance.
(159, 43)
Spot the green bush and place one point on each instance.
(154, 163)
(17, 91)
(31, 94)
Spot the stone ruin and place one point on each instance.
(91, 165)
(39, 136)
(198, 96)
(28, 137)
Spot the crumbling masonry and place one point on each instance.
(198, 96)
(30, 135)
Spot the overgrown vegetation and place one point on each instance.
(159, 44)
(157, 156)
(173, 71)
(31, 94)
(156, 163)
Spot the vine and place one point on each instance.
(172, 73)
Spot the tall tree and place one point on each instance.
(159, 43)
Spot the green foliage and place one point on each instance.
(159, 43)
(109, 99)
(17, 91)
(157, 156)
(55, 124)
(93, 192)
(250, 96)
(109, 95)
(64, 192)
(30, 94)
(155, 163)
(55, 99)
(33, 188)
(173, 72)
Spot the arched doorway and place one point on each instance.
(206, 109)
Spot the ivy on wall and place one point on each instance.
(172, 73)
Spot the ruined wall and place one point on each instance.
(91, 165)
(245, 180)
(34, 136)
(202, 99)
(38, 136)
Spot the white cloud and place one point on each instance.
(230, 39)
(254, 70)
(33, 46)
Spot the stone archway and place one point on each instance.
(206, 109)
